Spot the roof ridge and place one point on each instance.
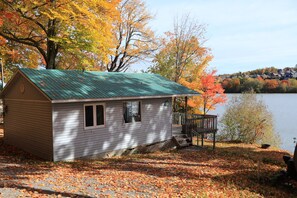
(76, 70)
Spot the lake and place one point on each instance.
(284, 110)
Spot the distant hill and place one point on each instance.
(265, 80)
(268, 72)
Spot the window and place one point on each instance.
(132, 111)
(94, 115)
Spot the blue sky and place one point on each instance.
(242, 34)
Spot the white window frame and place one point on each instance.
(141, 112)
(95, 116)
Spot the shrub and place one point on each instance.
(248, 120)
(252, 85)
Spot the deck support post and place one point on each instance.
(186, 118)
(214, 140)
(197, 140)
(202, 138)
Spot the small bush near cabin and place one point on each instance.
(248, 120)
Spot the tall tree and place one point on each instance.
(54, 28)
(133, 38)
(182, 53)
(182, 50)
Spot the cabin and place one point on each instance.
(63, 115)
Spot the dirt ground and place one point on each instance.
(232, 170)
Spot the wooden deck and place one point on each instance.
(195, 125)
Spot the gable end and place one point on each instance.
(21, 88)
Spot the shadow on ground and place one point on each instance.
(231, 167)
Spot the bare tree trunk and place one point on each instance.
(51, 56)
(52, 47)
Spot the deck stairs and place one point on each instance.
(182, 141)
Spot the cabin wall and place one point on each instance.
(28, 118)
(71, 140)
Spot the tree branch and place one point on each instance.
(33, 20)
(25, 41)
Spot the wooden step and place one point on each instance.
(182, 141)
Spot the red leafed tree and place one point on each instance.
(212, 92)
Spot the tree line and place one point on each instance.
(259, 85)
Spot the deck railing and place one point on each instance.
(205, 123)
(180, 119)
(197, 124)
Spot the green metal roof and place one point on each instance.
(76, 85)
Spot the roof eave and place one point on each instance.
(121, 98)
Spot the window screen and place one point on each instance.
(132, 111)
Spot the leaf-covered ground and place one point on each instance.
(233, 170)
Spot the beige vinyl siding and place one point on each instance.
(28, 120)
(28, 126)
(71, 140)
(22, 89)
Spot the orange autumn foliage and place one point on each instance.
(259, 78)
(133, 38)
(56, 31)
(285, 82)
(182, 53)
(271, 84)
(211, 92)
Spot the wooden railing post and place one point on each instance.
(214, 140)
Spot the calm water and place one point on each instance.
(284, 110)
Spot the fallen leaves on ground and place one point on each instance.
(232, 170)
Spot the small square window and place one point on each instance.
(94, 115)
(132, 111)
